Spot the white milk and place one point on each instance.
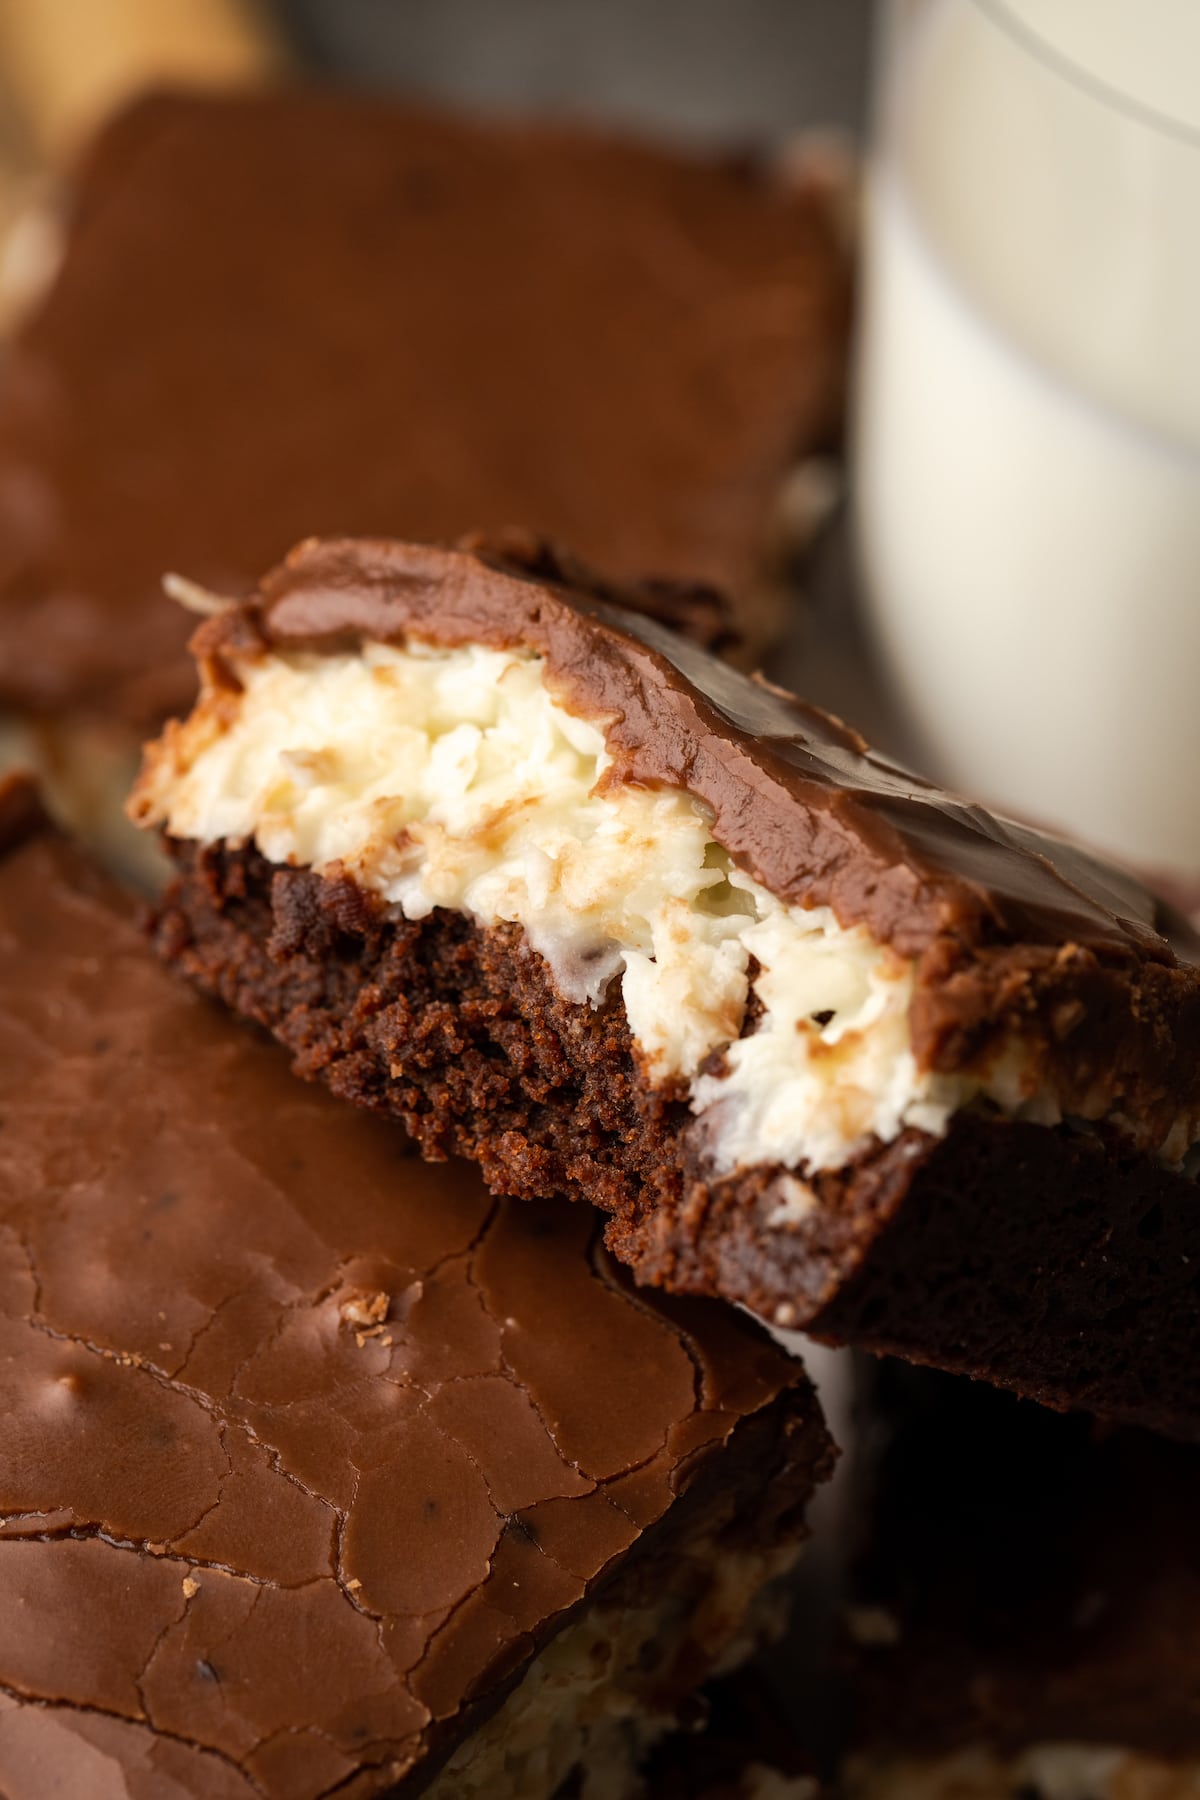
(1029, 410)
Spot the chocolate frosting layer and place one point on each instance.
(797, 797)
(301, 312)
(308, 1444)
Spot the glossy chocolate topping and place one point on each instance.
(308, 1444)
(305, 312)
(797, 797)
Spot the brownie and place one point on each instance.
(300, 310)
(568, 895)
(1026, 1616)
(364, 1481)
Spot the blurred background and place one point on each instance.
(696, 69)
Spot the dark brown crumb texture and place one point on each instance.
(1043, 1260)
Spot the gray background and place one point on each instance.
(697, 69)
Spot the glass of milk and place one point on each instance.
(1028, 411)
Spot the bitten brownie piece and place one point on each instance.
(324, 1471)
(1028, 1603)
(566, 894)
(301, 311)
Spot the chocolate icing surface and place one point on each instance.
(308, 1444)
(796, 796)
(304, 312)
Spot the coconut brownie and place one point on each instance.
(1028, 1604)
(301, 311)
(568, 895)
(323, 1470)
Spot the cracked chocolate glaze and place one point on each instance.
(308, 1445)
(302, 311)
(1016, 935)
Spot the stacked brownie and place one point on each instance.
(495, 857)
(327, 1471)
(567, 895)
(374, 1472)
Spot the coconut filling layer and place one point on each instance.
(453, 778)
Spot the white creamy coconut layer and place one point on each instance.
(453, 778)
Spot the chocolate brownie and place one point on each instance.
(303, 311)
(568, 895)
(323, 1470)
(1027, 1609)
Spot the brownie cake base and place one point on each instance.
(1079, 1281)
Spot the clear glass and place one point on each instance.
(1027, 431)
